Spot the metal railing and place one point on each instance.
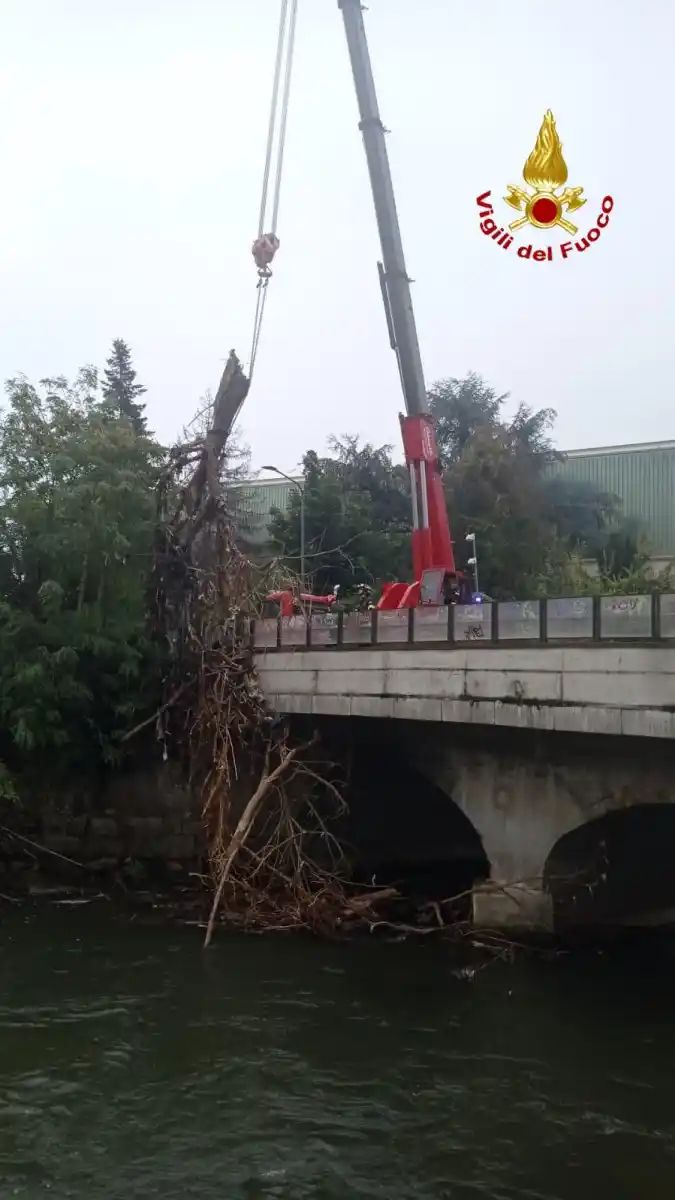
(565, 619)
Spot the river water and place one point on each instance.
(133, 1065)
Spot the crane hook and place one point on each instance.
(264, 249)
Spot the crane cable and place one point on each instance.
(267, 244)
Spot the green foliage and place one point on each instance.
(621, 549)
(460, 407)
(494, 482)
(569, 577)
(357, 518)
(582, 514)
(120, 388)
(591, 522)
(7, 789)
(76, 528)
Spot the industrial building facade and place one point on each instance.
(253, 503)
(643, 477)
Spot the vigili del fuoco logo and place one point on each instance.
(543, 204)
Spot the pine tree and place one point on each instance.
(120, 387)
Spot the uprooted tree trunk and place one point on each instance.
(267, 803)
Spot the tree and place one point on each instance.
(357, 517)
(120, 388)
(460, 407)
(494, 491)
(592, 524)
(76, 527)
(494, 481)
(580, 511)
(529, 433)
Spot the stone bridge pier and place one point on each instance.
(514, 799)
(575, 829)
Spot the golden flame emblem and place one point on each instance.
(546, 172)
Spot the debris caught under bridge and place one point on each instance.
(268, 802)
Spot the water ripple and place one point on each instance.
(282, 1069)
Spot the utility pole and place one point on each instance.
(473, 561)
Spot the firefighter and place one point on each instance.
(451, 592)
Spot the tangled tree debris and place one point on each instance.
(267, 803)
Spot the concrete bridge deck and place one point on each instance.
(593, 689)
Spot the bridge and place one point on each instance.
(549, 726)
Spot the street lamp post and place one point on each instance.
(301, 489)
(473, 561)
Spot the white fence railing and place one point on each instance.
(565, 619)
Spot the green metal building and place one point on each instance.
(642, 476)
(254, 501)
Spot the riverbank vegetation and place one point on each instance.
(77, 513)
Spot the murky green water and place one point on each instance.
(134, 1066)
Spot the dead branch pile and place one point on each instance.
(267, 803)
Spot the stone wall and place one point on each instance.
(141, 825)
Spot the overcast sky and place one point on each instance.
(131, 146)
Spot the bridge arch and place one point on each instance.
(616, 869)
(405, 830)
